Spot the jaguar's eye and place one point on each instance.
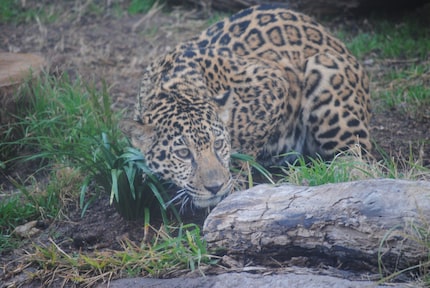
(218, 144)
(183, 153)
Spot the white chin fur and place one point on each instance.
(204, 203)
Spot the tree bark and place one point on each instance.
(347, 225)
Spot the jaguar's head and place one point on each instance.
(185, 142)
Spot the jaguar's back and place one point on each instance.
(334, 87)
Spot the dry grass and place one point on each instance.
(162, 257)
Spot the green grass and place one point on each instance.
(35, 202)
(351, 166)
(410, 72)
(246, 168)
(405, 89)
(412, 100)
(14, 211)
(318, 172)
(14, 11)
(387, 39)
(157, 258)
(141, 6)
(71, 124)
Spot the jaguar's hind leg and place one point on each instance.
(335, 105)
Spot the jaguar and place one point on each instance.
(264, 82)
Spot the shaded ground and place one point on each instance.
(117, 49)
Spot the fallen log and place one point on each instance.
(354, 225)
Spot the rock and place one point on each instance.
(27, 230)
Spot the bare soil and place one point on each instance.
(116, 49)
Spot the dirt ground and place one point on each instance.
(117, 49)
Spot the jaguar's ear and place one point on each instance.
(146, 88)
(142, 135)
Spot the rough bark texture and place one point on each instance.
(293, 279)
(345, 225)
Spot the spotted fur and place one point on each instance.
(264, 82)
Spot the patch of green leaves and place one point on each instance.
(408, 39)
(141, 6)
(134, 190)
(16, 11)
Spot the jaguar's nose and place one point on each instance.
(214, 189)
